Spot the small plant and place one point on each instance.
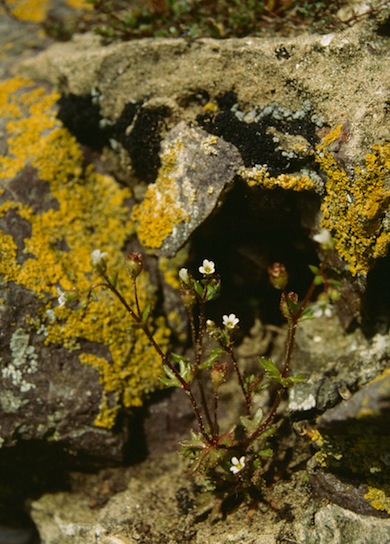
(230, 462)
(126, 20)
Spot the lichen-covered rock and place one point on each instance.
(354, 440)
(340, 526)
(65, 371)
(336, 368)
(159, 505)
(275, 100)
(196, 168)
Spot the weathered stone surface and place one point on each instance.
(335, 525)
(369, 408)
(158, 505)
(335, 363)
(273, 100)
(59, 378)
(338, 73)
(273, 107)
(196, 168)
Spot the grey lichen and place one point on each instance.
(24, 361)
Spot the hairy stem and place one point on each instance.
(164, 359)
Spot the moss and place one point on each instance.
(87, 211)
(159, 213)
(260, 177)
(354, 206)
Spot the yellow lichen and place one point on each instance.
(36, 11)
(33, 11)
(87, 212)
(378, 498)
(160, 211)
(260, 177)
(354, 207)
(170, 267)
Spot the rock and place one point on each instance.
(352, 464)
(336, 364)
(311, 70)
(196, 168)
(286, 114)
(62, 375)
(304, 134)
(159, 505)
(334, 525)
(369, 408)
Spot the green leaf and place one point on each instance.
(318, 280)
(266, 452)
(212, 291)
(185, 371)
(176, 358)
(169, 380)
(146, 313)
(294, 307)
(268, 432)
(191, 445)
(114, 279)
(214, 355)
(290, 381)
(314, 269)
(270, 368)
(250, 424)
(198, 288)
(306, 314)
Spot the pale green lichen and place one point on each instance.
(24, 361)
(90, 213)
(354, 206)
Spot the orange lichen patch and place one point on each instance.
(36, 11)
(32, 11)
(378, 498)
(121, 380)
(88, 212)
(354, 207)
(260, 177)
(160, 211)
(80, 4)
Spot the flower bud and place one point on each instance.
(278, 275)
(184, 276)
(213, 331)
(98, 261)
(287, 303)
(188, 297)
(134, 264)
(218, 374)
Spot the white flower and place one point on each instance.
(61, 297)
(184, 275)
(97, 256)
(324, 238)
(237, 465)
(207, 268)
(230, 321)
(321, 308)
